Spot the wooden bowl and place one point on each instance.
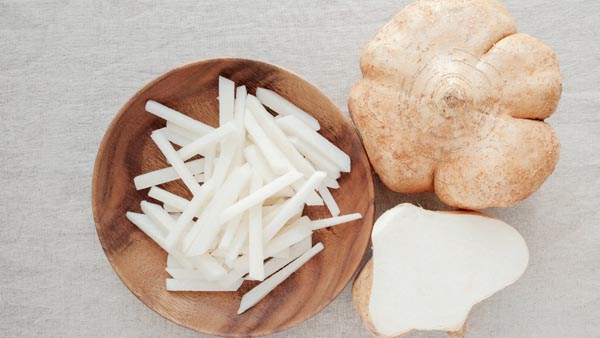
(127, 151)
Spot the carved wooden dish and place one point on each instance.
(127, 151)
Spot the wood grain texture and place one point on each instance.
(127, 151)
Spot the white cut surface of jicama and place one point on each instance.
(331, 183)
(268, 124)
(231, 230)
(295, 233)
(209, 162)
(205, 230)
(260, 195)
(292, 205)
(316, 158)
(255, 233)
(175, 138)
(200, 285)
(430, 268)
(158, 216)
(261, 290)
(204, 143)
(275, 264)
(182, 131)
(192, 210)
(205, 268)
(258, 163)
(176, 162)
(169, 198)
(223, 163)
(284, 107)
(329, 222)
(294, 127)
(239, 226)
(160, 176)
(240, 108)
(226, 100)
(171, 209)
(330, 202)
(275, 158)
(241, 237)
(171, 115)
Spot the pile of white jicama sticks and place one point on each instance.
(249, 189)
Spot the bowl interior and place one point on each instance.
(127, 151)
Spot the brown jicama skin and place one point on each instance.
(452, 100)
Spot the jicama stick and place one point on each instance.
(182, 131)
(331, 183)
(329, 201)
(277, 161)
(192, 209)
(293, 204)
(231, 230)
(209, 162)
(293, 126)
(171, 155)
(260, 195)
(158, 216)
(268, 124)
(294, 234)
(316, 158)
(275, 264)
(168, 198)
(199, 178)
(200, 285)
(240, 107)
(255, 235)
(144, 223)
(177, 118)
(261, 290)
(329, 222)
(160, 176)
(285, 253)
(204, 143)
(284, 107)
(206, 229)
(225, 159)
(207, 268)
(226, 100)
(234, 249)
(171, 209)
(175, 138)
(258, 163)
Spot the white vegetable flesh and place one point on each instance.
(430, 268)
(249, 189)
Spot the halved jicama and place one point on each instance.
(293, 126)
(329, 222)
(261, 290)
(226, 100)
(284, 107)
(160, 176)
(292, 205)
(177, 118)
(176, 162)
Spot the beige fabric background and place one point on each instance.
(66, 67)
